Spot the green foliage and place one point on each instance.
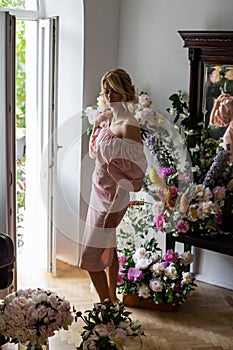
(14, 4)
(21, 182)
(20, 75)
(201, 146)
(137, 225)
(20, 62)
(180, 106)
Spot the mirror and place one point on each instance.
(211, 70)
(218, 79)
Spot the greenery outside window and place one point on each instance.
(18, 7)
(30, 5)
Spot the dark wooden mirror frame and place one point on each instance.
(204, 47)
(214, 48)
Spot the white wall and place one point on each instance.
(101, 38)
(70, 91)
(150, 47)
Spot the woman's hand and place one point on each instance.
(103, 117)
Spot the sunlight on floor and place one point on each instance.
(31, 259)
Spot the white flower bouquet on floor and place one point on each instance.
(108, 326)
(30, 316)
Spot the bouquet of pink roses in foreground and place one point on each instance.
(162, 279)
(30, 316)
(108, 326)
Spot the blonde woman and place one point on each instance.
(120, 166)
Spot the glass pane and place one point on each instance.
(30, 5)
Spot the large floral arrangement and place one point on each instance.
(195, 198)
(162, 279)
(108, 326)
(30, 316)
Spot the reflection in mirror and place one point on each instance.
(218, 80)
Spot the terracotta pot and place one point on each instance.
(133, 301)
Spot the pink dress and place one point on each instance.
(223, 116)
(120, 167)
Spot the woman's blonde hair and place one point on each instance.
(120, 81)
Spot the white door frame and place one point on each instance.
(47, 115)
(7, 130)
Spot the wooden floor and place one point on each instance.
(205, 321)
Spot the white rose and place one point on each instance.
(92, 114)
(186, 278)
(171, 271)
(186, 258)
(157, 269)
(143, 263)
(144, 291)
(139, 254)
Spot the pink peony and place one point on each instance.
(171, 256)
(182, 226)
(135, 274)
(159, 221)
(156, 285)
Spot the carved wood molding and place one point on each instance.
(206, 38)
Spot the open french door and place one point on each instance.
(7, 129)
(47, 108)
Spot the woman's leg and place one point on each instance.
(106, 283)
(99, 280)
(112, 276)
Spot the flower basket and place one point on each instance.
(147, 280)
(134, 302)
